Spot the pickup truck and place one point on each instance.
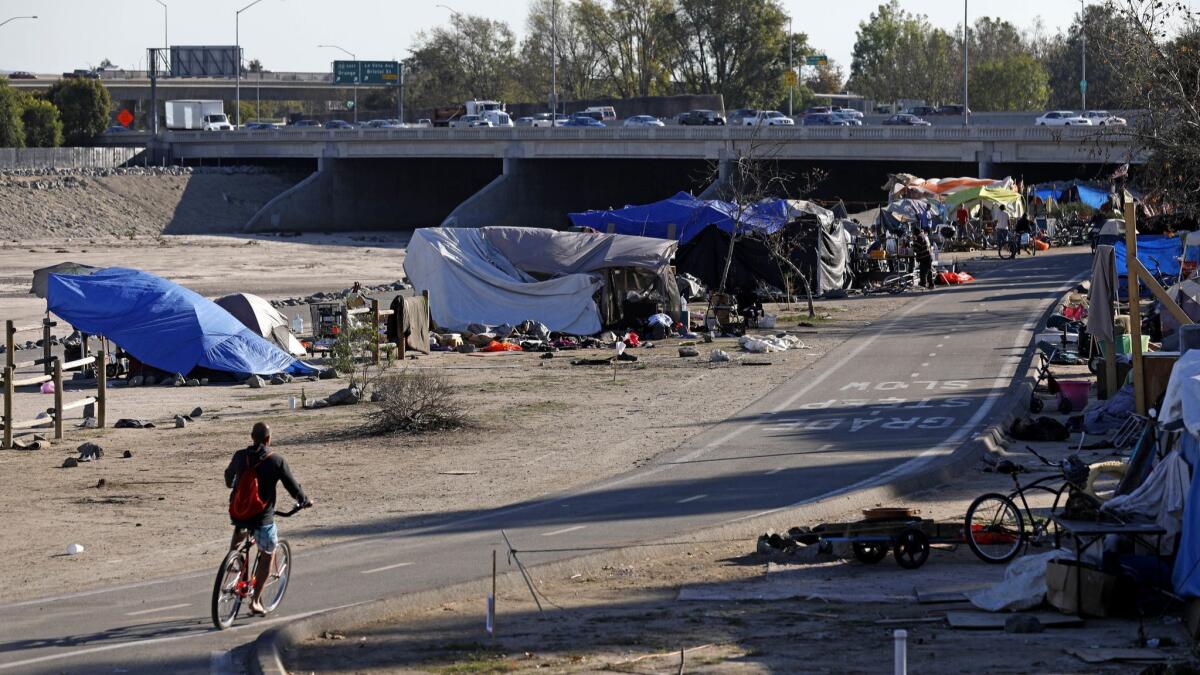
(770, 118)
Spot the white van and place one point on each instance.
(607, 112)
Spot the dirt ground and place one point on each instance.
(823, 616)
(534, 410)
(74, 207)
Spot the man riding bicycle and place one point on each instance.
(253, 511)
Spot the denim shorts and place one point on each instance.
(266, 537)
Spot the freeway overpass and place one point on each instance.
(268, 88)
(389, 178)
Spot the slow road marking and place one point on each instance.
(159, 609)
(563, 531)
(386, 568)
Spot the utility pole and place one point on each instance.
(237, 40)
(400, 95)
(791, 69)
(1083, 56)
(966, 69)
(553, 61)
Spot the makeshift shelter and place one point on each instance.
(42, 276)
(164, 325)
(259, 316)
(572, 282)
(902, 214)
(1186, 294)
(1112, 231)
(987, 197)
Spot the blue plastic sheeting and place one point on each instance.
(1157, 253)
(689, 216)
(1185, 576)
(1091, 196)
(1048, 193)
(163, 324)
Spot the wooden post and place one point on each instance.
(10, 343)
(46, 367)
(9, 390)
(58, 402)
(375, 331)
(1135, 309)
(101, 384)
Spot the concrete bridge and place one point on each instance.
(387, 178)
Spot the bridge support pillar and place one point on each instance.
(722, 187)
(987, 168)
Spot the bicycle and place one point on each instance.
(235, 578)
(894, 284)
(996, 530)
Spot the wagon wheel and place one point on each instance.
(911, 549)
(870, 553)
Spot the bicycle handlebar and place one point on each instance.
(295, 508)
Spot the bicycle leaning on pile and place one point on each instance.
(235, 578)
(996, 529)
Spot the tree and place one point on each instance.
(83, 105)
(106, 64)
(554, 27)
(255, 66)
(638, 49)
(875, 69)
(1012, 83)
(43, 128)
(12, 127)
(1107, 31)
(474, 58)
(827, 79)
(993, 39)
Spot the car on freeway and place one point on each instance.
(542, 120)
(643, 121)
(818, 110)
(921, 110)
(21, 75)
(851, 112)
(1062, 118)
(379, 124)
(951, 109)
(843, 115)
(1104, 118)
(305, 124)
(583, 121)
(469, 122)
(738, 117)
(260, 126)
(117, 129)
(523, 122)
(424, 122)
(825, 119)
(702, 118)
(769, 118)
(906, 120)
(338, 125)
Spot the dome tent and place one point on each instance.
(259, 316)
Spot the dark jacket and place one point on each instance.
(271, 470)
(921, 250)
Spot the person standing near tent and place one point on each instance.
(923, 252)
(962, 215)
(252, 475)
(1001, 228)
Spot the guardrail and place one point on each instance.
(672, 133)
(53, 369)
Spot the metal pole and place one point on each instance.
(791, 68)
(966, 69)
(166, 42)
(401, 96)
(153, 89)
(10, 20)
(553, 61)
(258, 95)
(1083, 56)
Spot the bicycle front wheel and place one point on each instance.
(229, 589)
(994, 528)
(276, 584)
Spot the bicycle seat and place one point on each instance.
(1007, 468)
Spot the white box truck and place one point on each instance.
(197, 115)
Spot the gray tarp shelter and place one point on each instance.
(42, 276)
(573, 282)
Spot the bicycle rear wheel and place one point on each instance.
(276, 584)
(229, 589)
(994, 528)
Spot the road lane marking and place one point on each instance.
(933, 355)
(925, 365)
(563, 531)
(940, 345)
(693, 498)
(387, 567)
(915, 375)
(160, 609)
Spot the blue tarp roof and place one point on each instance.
(1156, 252)
(688, 214)
(163, 324)
(1091, 196)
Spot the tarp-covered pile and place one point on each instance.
(499, 275)
(163, 324)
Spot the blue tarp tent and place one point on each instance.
(686, 215)
(1156, 252)
(163, 324)
(1091, 196)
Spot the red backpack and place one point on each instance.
(245, 503)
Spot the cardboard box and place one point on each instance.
(1060, 588)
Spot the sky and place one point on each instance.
(284, 34)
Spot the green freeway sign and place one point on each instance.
(366, 72)
(816, 60)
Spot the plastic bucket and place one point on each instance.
(1075, 391)
(1125, 346)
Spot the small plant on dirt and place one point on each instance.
(351, 344)
(414, 402)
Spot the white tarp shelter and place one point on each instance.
(496, 275)
(259, 316)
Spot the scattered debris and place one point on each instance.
(90, 451)
(255, 382)
(687, 352)
(75, 549)
(70, 463)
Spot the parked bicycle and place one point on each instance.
(1014, 244)
(894, 283)
(996, 529)
(235, 578)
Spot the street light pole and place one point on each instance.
(791, 68)
(1083, 56)
(166, 42)
(17, 17)
(553, 61)
(237, 39)
(966, 69)
(357, 75)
